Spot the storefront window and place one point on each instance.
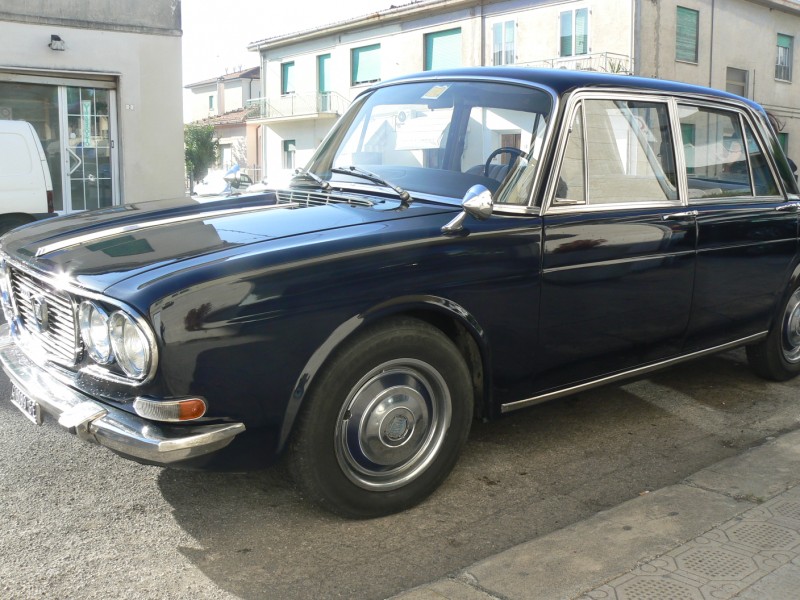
(38, 105)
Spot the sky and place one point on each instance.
(216, 34)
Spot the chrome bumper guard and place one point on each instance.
(116, 429)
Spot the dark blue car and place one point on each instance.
(463, 244)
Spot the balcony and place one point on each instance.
(297, 106)
(603, 62)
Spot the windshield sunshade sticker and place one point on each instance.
(435, 92)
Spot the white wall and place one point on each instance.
(148, 71)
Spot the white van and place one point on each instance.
(26, 189)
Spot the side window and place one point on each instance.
(571, 187)
(763, 181)
(719, 155)
(620, 151)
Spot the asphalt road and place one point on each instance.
(76, 521)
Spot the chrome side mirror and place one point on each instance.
(477, 203)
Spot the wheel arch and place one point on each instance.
(447, 316)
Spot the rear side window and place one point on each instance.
(618, 151)
(15, 158)
(722, 159)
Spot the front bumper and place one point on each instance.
(92, 421)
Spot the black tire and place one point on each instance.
(777, 357)
(373, 437)
(9, 223)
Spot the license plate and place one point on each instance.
(29, 407)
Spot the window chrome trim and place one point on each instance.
(76, 292)
(549, 205)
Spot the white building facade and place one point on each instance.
(309, 78)
(100, 80)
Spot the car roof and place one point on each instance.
(564, 81)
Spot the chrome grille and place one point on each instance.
(300, 198)
(57, 335)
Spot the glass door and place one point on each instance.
(89, 150)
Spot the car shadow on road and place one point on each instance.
(520, 477)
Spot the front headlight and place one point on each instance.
(130, 345)
(94, 331)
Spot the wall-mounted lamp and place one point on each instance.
(56, 43)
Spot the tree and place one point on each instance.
(200, 149)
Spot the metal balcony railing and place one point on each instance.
(604, 62)
(296, 105)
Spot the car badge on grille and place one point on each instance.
(41, 313)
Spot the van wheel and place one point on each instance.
(9, 223)
(385, 422)
(777, 357)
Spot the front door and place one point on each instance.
(619, 247)
(89, 148)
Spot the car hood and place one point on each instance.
(99, 249)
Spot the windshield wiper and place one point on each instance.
(405, 197)
(325, 185)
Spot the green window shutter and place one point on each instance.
(783, 140)
(784, 41)
(366, 64)
(443, 49)
(687, 32)
(323, 73)
(497, 44)
(510, 51)
(566, 33)
(287, 77)
(582, 31)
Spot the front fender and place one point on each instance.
(407, 305)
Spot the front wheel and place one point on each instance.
(777, 357)
(384, 422)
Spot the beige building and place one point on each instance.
(100, 80)
(220, 102)
(309, 78)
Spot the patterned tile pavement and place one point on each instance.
(721, 563)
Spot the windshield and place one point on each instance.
(440, 138)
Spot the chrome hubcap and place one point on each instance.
(392, 424)
(791, 328)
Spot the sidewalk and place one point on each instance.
(729, 531)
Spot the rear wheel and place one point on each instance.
(777, 357)
(385, 422)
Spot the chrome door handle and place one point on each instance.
(788, 207)
(681, 216)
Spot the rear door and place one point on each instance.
(618, 259)
(747, 231)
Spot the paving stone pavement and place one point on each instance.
(729, 531)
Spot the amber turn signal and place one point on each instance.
(186, 409)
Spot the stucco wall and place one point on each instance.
(117, 15)
(147, 68)
(738, 33)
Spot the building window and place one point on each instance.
(574, 32)
(686, 36)
(783, 140)
(211, 103)
(736, 82)
(503, 48)
(443, 49)
(287, 78)
(324, 82)
(783, 64)
(365, 64)
(289, 149)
